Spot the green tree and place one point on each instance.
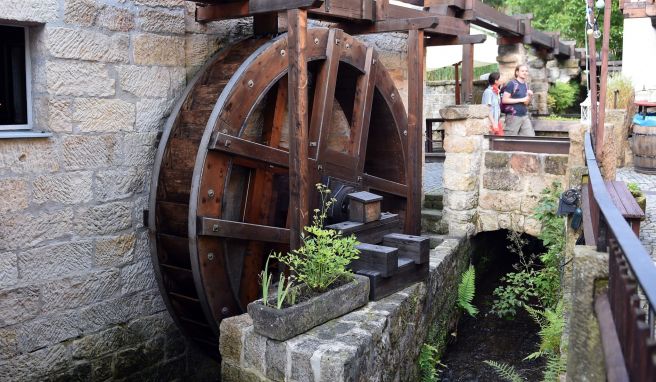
(568, 18)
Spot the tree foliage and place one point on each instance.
(566, 17)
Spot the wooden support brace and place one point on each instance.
(391, 25)
(299, 175)
(467, 73)
(455, 40)
(416, 62)
(246, 8)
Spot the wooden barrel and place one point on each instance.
(644, 149)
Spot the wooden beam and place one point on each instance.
(381, 9)
(265, 23)
(467, 73)
(244, 8)
(603, 79)
(416, 62)
(299, 174)
(391, 25)
(446, 24)
(362, 106)
(592, 78)
(346, 9)
(455, 40)
(238, 230)
(248, 149)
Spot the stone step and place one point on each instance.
(431, 221)
(434, 201)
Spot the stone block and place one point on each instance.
(532, 226)
(88, 152)
(465, 112)
(488, 220)
(158, 21)
(143, 328)
(496, 160)
(81, 12)
(145, 81)
(115, 19)
(132, 360)
(66, 188)
(8, 343)
(29, 156)
(152, 49)
(8, 269)
(38, 11)
(502, 180)
(119, 184)
(35, 365)
(14, 195)
(104, 115)
(500, 200)
(101, 368)
(465, 145)
(139, 149)
(525, 163)
(80, 79)
(151, 114)
(231, 341)
(114, 251)
(254, 350)
(59, 115)
(459, 182)
(28, 230)
(529, 203)
(300, 352)
(55, 260)
(555, 164)
(276, 360)
(47, 331)
(138, 276)
(461, 200)
(98, 344)
(161, 3)
(196, 50)
(74, 292)
(103, 219)
(87, 45)
(535, 184)
(18, 305)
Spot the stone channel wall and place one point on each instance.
(379, 342)
(487, 190)
(78, 297)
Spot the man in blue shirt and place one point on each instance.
(516, 97)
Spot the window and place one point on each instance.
(15, 77)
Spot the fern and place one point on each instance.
(428, 359)
(505, 371)
(466, 291)
(555, 367)
(551, 324)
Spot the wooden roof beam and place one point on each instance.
(221, 10)
(455, 40)
(447, 25)
(391, 25)
(479, 14)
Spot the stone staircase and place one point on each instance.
(431, 217)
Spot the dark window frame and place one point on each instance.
(28, 84)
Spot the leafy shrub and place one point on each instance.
(325, 254)
(466, 290)
(634, 189)
(561, 96)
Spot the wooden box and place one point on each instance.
(364, 207)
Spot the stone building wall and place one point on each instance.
(488, 190)
(440, 94)
(78, 297)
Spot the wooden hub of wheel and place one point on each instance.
(220, 188)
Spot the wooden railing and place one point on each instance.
(631, 286)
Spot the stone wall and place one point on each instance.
(78, 297)
(488, 190)
(440, 94)
(379, 342)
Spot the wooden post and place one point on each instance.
(456, 66)
(592, 54)
(416, 58)
(299, 175)
(467, 73)
(599, 139)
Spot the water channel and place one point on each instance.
(486, 336)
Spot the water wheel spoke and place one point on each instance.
(380, 184)
(239, 230)
(324, 95)
(364, 96)
(255, 151)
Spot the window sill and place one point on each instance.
(27, 134)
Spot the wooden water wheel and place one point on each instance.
(221, 182)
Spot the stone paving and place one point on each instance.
(432, 179)
(648, 185)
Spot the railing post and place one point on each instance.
(602, 235)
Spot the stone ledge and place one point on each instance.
(380, 341)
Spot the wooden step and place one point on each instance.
(416, 248)
(372, 232)
(407, 274)
(376, 258)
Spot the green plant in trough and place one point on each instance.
(325, 254)
(561, 96)
(466, 291)
(634, 189)
(284, 287)
(505, 371)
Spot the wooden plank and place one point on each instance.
(324, 95)
(373, 232)
(488, 17)
(381, 9)
(615, 365)
(233, 145)
(416, 62)
(380, 287)
(346, 9)
(628, 206)
(370, 181)
(239, 230)
(391, 25)
(376, 258)
(244, 8)
(416, 248)
(467, 73)
(455, 40)
(447, 25)
(299, 175)
(588, 230)
(362, 105)
(544, 145)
